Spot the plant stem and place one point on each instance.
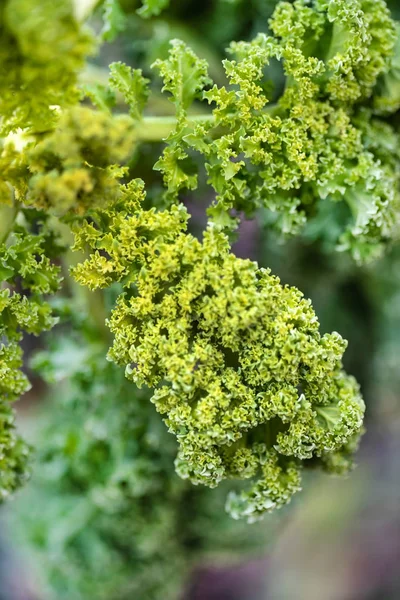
(8, 214)
(93, 300)
(155, 129)
(83, 8)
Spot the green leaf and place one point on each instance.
(176, 177)
(101, 96)
(5, 193)
(114, 20)
(43, 48)
(132, 85)
(184, 74)
(152, 8)
(5, 272)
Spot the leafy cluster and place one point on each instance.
(290, 155)
(152, 7)
(42, 49)
(387, 99)
(115, 18)
(238, 367)
(245, 380)
(23, 266)
(78, 164)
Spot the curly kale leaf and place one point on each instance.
(185, 77)
(152, 8)
(42, 49)
(78, 164)
(22, 263)
(114, 20)
(240, 371)
(354, 40)
(289, 156)
(387, 99)
(132, 85)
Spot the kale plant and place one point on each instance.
(100, 169)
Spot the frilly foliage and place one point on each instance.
(42, 49)
(387, 99)
(309, 146)
(239, 369)
(241, 373)
(114, 17)
(151, 8)
(23, 266)
(78, 164)
(72, 167)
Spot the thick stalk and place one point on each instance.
(8, 214)
(94, 300)
(84, 8)
(156, 129)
